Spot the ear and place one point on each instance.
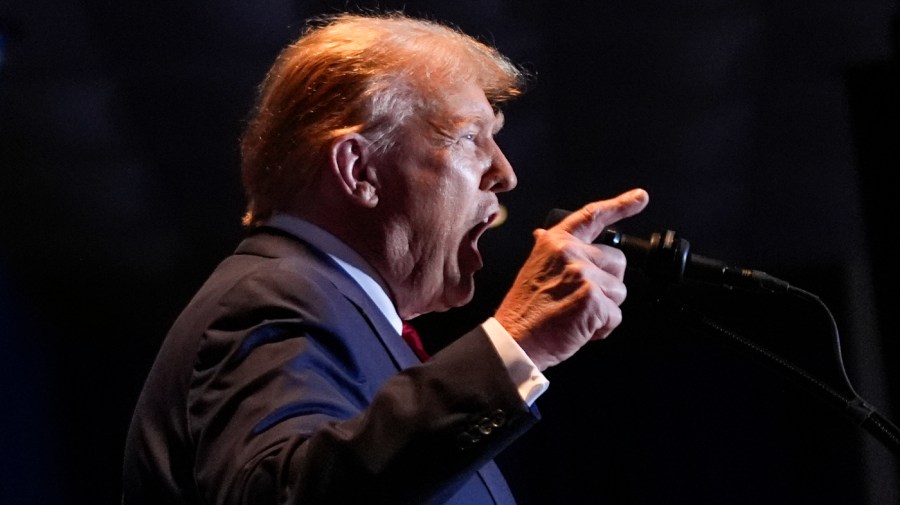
(351, 163)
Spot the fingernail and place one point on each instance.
(638, 194)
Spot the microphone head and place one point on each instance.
(663, 257)
(555, 216)
(667, 258)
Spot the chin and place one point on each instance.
(461, 294)
(451, 292)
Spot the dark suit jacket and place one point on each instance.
(281, 382)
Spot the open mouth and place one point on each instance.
(475, 233)
(481, 227)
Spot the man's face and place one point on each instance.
(450, 170)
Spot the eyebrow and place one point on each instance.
(499, 120)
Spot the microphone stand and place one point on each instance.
(849, 401)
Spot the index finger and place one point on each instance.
(587, 222)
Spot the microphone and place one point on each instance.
(668, 258)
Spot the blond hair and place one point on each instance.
(354, 73)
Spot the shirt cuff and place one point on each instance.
(529, 380)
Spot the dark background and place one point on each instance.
(766, 132)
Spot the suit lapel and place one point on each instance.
(275, 243)
(401, 353)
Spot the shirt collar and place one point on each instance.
(352, 263)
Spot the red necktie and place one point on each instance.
(411, 336)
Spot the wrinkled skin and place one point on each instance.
(569, 291)
(440, 198)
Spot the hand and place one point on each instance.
(569, 290)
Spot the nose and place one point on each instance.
(500, 177)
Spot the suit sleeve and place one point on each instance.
(283, 407)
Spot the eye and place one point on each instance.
(469, 136)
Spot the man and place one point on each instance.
(371, 172)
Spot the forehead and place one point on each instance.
(464, 105)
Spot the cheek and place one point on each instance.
(442, 200)
(449, 214)
(446, 197)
